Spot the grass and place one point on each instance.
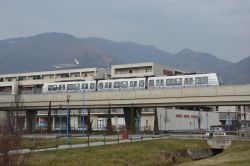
(238, 154)
(155, 152)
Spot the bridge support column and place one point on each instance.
(53, 123)
(30, 121)
(156, 125)
(3, 117)
(138, 120)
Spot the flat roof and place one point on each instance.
(50, 72)
(136, 65)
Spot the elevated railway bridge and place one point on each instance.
(192, 96)
(237, 95)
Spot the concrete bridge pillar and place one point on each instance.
(156, 125)
(30, 121)
(53, 123)
(3, 117)
(138, 120)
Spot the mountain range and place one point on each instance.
(42, 51)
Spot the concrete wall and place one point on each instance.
(3, 116)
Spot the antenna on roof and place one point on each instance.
(73, 65)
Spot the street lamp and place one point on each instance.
(68, 112)
(60, 115)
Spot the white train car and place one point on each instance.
(76, 86)
(192, 80)
(121, 84)
(210, 79)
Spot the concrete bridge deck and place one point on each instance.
(194, 96)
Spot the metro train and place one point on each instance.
(210, 79)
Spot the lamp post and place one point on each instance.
(68, 112)
(83, 122)
(160, 125)
(60, 115)
(207, 119)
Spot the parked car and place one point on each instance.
(215, 132)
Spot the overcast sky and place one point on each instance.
(220, 27)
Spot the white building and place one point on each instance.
(174, 119)
(32, 82)
(142, 70)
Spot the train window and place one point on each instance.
(76, 86)
(157, 83)
(169, 82)
(178, 81)
(204, 80)
(191, 81)
(100, 85)
(151, 82)
(124, 84)
(141, 83)
(131, 84)
(61, 87)
(135, 83)
(197, 80)
(92, 85)
(110, 85)
(116, 84)
(162, 82)
(106, 85)
(85, 86)
(70, 87)
(50, 87)
(186, 81)
(55, 87)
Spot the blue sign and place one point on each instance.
(42, 124)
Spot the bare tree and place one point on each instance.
(9, 145)
(89, 123)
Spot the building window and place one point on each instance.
(130, 71)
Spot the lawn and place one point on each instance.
(238, 154)
(155, 152)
